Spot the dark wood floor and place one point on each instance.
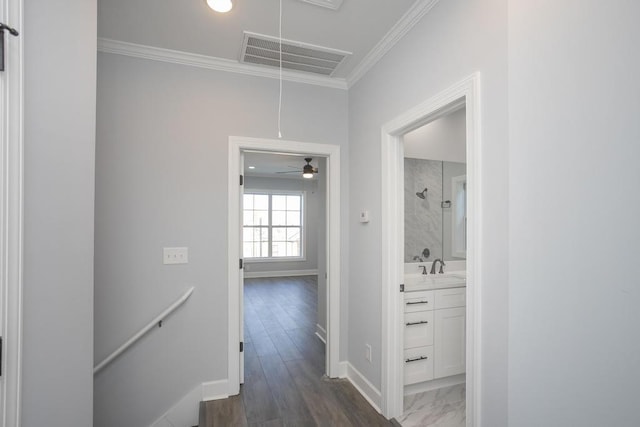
(284, 366)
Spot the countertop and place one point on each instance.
(428, 282)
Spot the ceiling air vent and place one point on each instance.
(264, 50)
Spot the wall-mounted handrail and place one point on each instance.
(156, 321)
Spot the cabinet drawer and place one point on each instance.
(418, 301)
(418, 329)
(418, 365)
(449, 298)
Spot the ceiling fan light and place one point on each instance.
(307, 171)
(221, 6)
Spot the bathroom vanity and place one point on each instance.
(434, 330)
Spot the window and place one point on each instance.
(272, 225)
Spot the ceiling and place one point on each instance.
(358, 26)
(269, 165)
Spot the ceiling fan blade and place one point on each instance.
(298, 171)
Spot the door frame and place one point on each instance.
(238, 145)
(11, 216)
(466, 92)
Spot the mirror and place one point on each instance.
(435, 188)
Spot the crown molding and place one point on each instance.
(395, 34)
(212, 63)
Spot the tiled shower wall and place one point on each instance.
(426, 223)
(422, 218)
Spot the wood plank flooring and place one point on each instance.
(285, 365)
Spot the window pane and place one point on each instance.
(247, 234)
(293, 249)
(293, 203)
(257, 251)
(278, 218)
(293, 218)
(293, 233)
(279, 203)
(261, 218)
(247, 218)
(247, 250)
(247, 201)
(261, 202)
(265, 248)
(279, 234)
(279, 249)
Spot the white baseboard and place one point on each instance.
(282, 273)
(366, 389)
(434, 384)
(321, 333)
(186, 411)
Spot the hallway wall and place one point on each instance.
(161, 180)
(455, 39)
(59, 155)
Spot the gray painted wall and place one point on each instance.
(573, 267)
(456, 38)
(314, 209)
(59, 131)
(161, 180)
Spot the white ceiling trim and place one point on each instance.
(395, 34)
(213, 63)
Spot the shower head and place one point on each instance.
(422, 194)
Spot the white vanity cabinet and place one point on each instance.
(418, 336)
(434, 334)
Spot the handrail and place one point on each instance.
(157, 320)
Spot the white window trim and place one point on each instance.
(303, 226)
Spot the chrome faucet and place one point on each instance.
(424, 268)
(433, 266)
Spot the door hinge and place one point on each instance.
(241, 346)
(240, 263)
(241, 180)
(401, 287)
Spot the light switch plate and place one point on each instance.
(364, 217)
(175, 255)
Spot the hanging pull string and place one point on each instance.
(280, 95)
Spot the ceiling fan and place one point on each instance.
(307, 170)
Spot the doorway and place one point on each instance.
(237, 147)
(463, 94)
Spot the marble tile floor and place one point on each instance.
(444, 407)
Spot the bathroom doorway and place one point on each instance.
(463, 95)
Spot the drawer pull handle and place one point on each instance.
(415, 359)
(417, 302)
(417, 323)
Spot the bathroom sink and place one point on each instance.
(434, 281)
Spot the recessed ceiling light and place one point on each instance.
(252, 167)
(221, 6)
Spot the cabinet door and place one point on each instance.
(418, 329)
(418, 365)
(449, 342)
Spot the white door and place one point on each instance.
(10, 212)
(241, 296)
(449, 342)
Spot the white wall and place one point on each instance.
(454, 40)
(442, 139)
(574, 141)
(59, 126)
(161, 180)
(313, 209)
